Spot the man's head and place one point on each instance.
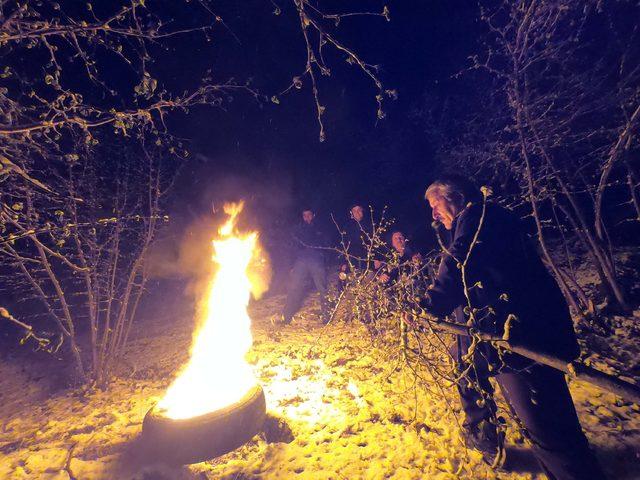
(308, 215)
(448, 196)
(357, 212)
(398, 241)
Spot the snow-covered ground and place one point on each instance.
(350, 415)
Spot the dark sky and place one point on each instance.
(271, 155)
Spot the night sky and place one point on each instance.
(270, 154)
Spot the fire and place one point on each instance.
(217, 373)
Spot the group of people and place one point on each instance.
(489, 275)
(359, 252)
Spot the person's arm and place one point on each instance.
(447, 291)
(296, 236)
(323, 236)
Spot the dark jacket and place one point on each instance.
(512, 280)
(356, 240)
(310, 241)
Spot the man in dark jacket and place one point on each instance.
(356, 239)
(491, 278)
(309, 240)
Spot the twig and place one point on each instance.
(67, 462)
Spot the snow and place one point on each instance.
(338, 409)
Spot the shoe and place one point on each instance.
(485, 438)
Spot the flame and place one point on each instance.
(217, 373)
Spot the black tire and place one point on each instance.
(192, 440)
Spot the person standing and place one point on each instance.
(491, 278)
(309, 242)
(356, 270)
(356, 240)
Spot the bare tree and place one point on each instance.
(86, 155)
(82, 252)
(560, 126)
(78, 215)
(317, 23)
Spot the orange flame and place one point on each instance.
(217, 373)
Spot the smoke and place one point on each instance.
(192, 260)
(260, 272)
(196, 213)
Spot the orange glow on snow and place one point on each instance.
(309, 398)
(217, 373)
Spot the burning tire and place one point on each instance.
(195, 439)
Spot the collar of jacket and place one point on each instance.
(466, 208)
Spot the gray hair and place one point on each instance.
(440, 189)
(455, 189)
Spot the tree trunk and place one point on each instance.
(605, 261)
(621, 145)
(633, 185)
(534, 207)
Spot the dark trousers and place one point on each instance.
(539, 398)
(304, 268)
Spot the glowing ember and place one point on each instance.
(217, 373)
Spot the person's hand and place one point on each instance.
(384, 278)
(377, 264)
(417, 258)
(343, 267)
